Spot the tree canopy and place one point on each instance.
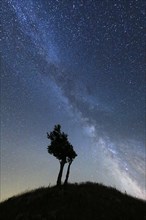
(61, 148)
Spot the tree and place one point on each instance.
(71, 155)
(61, 148)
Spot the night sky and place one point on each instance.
(81, 64)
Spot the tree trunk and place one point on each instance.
(67, 174)
(60, 173)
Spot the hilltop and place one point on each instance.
(87, 201)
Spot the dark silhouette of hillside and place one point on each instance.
(87, 201)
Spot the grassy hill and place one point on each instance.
(87, 201)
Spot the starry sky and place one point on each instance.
(79, 63)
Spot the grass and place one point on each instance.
(87, 201)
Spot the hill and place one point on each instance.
(87, 201)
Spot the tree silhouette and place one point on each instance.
(71, 155)
(61, 148)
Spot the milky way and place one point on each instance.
(80, 64)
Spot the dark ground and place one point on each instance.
(87, 201)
